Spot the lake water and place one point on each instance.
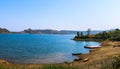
(37, 48)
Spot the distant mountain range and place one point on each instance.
(46, 31)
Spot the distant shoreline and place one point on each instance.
(99, 40)
(42, 31)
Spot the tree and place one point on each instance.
(81, 34)
(78, 34)
(88, 31)
(105, 35)
(117, 29)
(115, 35)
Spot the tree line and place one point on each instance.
(113, 35)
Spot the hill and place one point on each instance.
(4, 30)
(45, 31)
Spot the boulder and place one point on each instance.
(78, 59)
(85, 60)
(76, 53)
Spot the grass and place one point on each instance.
(17, 67)
(116, 63)
(108, 63)
(60, 67)
(45, 67)
(2, 67)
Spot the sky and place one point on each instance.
(17, 15)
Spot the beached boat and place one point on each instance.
(92, 47)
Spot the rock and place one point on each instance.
(116, 46)
(92, 50)
(4, 62)
(78, 59)
(85, 60)
(77, 54)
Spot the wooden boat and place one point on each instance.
(92, 47)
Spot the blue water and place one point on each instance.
(37, 48)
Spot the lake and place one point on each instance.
(40, 48)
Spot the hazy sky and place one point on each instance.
(17, 15)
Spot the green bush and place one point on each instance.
(2, 67)
(116, 63)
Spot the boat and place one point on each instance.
(92, 47)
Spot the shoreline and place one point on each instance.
(98, 54)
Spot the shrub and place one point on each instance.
(116, 63)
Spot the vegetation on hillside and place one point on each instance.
(4, 30)
(110, 35)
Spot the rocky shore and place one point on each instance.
(108, 49)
